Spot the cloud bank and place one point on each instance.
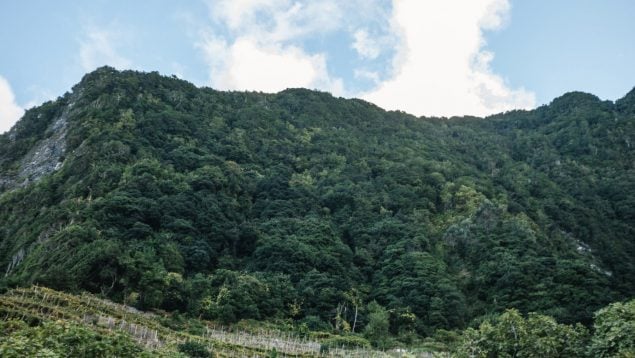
(440, 67)
(247, 64)
(436, 59)
(259, 54)
(10, 112)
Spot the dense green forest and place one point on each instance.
(326, 213)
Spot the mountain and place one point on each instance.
(323, 211)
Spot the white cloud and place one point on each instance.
(247, 65)
(10, 112)
(277, 20)
(441, 67)
(260, 53)
(101, 47)
(364, 74)
(365, 46)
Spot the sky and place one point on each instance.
(425, 57)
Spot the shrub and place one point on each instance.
(194, 349)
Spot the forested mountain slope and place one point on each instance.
(302, 206)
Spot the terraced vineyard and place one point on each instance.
(36, 305)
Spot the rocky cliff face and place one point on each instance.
(44, 158)
(47, 156)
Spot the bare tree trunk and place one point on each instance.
(355, 320)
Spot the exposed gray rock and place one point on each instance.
(45, 157)
(22, 252)
(15, 261)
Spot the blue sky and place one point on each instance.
(426, 57)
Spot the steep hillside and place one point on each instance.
(304, 207)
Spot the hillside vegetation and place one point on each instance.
(45, 323)
(325, 213)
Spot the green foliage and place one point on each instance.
(194, 350)
(614, 331)
(229, 296)
(351, 342)
(376, 329)
(61, 339)
(511, 335)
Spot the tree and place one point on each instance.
(376, 329)
(354, 296)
